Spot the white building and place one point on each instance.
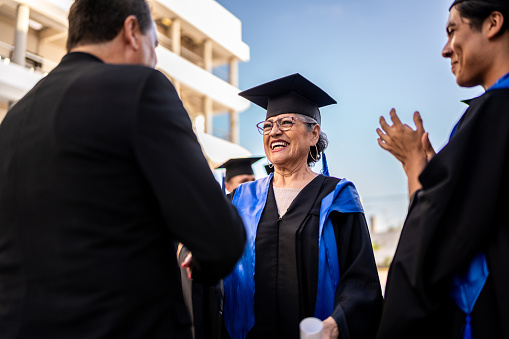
(200, 46)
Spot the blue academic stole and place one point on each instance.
(250, 199)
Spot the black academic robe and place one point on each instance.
(461, 210)
(100, 174)
(286, 268)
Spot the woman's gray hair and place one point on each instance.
(315, 153)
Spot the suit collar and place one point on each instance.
(80, 57)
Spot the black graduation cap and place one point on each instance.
(238, 166)
(501, 3)
(291, 94)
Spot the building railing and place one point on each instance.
(164, 40)
(221, 133)
(32, 60)
(187, 54)
(192, 56)
(6, 50)
(222, 72)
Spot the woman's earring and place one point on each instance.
(271, 165)
(311, 154)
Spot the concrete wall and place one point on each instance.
(6, 30)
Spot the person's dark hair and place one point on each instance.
(97, 21)
(315, 153)
(477, 11)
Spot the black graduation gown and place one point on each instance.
(460, 210)
(286, 268)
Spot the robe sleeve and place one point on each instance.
(358, 301)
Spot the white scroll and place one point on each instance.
(311, 328)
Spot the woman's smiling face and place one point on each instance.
(290, 147)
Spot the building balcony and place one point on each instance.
(201, 81)
(16, 80)
(206, 19)
(200, 47)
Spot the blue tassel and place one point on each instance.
(467, 287)
(467, 330)
(325, 168)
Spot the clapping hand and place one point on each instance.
(411, 147)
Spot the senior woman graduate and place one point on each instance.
(308, 251)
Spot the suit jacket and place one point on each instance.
(100, 172)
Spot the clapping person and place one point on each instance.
(448, 278)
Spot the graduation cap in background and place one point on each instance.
(290, 94)
(239, 166)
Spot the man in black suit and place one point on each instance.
(100, 174)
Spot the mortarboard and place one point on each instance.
(290, 94)
(238, 166)
(502, 3)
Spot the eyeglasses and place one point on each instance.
(284, 124)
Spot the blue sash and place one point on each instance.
(467, 287)
(250, 199)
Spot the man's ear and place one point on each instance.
(493, 24)
(130, 32)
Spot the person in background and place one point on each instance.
(100, 173)
(205, 303)
(308, 251)
(238, 171)
(449, 276)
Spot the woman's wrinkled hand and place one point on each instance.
(330, 329)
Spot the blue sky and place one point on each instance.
(370, 55)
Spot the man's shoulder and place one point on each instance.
(88, 68)
(124, 73)
(485, 107)
(114, 80)
(500, 95)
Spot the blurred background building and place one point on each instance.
(200, 47)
